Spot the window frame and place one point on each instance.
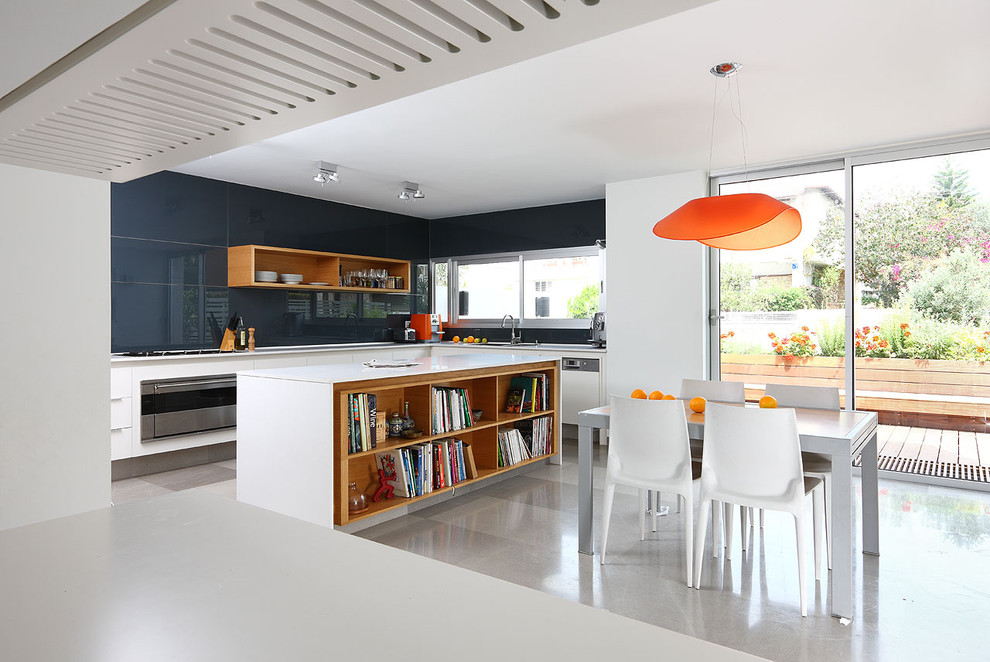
(520, 257)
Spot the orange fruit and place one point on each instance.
(639, 394)
(768, 402)
(469, 339)
(456, 339)
(668, 396)
(697, 404)
(656, 395)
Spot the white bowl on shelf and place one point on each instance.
(266, 276)
(292, 279)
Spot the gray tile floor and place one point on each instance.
(926, 597)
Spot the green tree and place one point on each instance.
(585, 304)
(736, 289)
(957, 290)
(898, 239)
(952, 186)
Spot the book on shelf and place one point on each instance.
(541, 390)
(535, 390)
(514, 400)
(373, 420)
(363, 422)
(536, 434)
(451, 409)
(512, 448)
(401, 481)
(354, 406)
(470, 468)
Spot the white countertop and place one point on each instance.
(193, 576)
(348, 347)
(349, 372)
(288, 349)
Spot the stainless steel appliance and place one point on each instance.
(408, 333)
(598, 330)
(187, 405)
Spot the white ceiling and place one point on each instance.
(817, 79)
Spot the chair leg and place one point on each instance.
(688, 536)
(799, 534)
(729, 511)
(606, 516)
(642, 514)
(745, 517)
(699, 540)
(818, 522)
(717, 535)
(828, 520)
(679, 500)
(761, 518)
(654, 508)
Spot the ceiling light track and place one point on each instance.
(326, 172)
(411, 190)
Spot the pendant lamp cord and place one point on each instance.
(737, 113)
(735, 107)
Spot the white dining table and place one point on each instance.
(842, 435)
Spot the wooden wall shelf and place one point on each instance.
(315, 266)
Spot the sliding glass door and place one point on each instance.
(920, 297)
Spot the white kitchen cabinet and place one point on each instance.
(580, 385)
(120, 444)
(579, 390)
(120, 413)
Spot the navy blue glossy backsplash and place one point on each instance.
(169, 239)
(168, 271)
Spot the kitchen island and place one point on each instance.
(294, 455)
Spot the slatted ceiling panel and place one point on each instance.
(346, 47)
(192, 78)
(336, 22)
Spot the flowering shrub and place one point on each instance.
(799, 343)
(869, 342)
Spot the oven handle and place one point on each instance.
(196, 385)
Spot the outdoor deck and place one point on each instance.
(961, 455)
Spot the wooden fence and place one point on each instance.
(953, 395)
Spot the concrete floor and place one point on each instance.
(926, 597)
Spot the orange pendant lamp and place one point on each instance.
(738, 222)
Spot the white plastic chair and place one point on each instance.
(713, 391)
(649, 450)
(753, 458)
(816, 465)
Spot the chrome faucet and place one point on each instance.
(513, 338)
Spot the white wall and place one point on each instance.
(54, 345)
(657, 317)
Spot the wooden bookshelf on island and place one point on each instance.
(286, 471)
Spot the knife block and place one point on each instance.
(227, 344)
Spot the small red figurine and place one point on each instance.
(385, 478)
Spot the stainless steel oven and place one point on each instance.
(187, 405)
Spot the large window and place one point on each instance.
(781, 306)
(885, 294)
(559, 288)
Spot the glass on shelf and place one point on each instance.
(371, 278)
(356, 501)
